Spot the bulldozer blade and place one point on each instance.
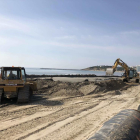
(109, 71)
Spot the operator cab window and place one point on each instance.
(0, 72)
(11, 74)
(131, 74)
(23, 74)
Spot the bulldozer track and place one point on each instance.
(59, 115)
(71, 123)
(47, 105)
(24, 94)
(31, 110)
(52, 118)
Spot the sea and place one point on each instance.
(39, 71)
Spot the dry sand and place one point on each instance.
(67, 109)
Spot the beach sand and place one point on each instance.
(67, 108)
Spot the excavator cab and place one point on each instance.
(131, 74)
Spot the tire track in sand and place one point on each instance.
(50, 119)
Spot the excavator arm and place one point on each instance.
(110, 71)
(130, 73)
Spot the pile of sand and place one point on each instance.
(57, 88)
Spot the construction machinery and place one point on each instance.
(130, 73)
(13, 84)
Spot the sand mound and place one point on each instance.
(109, 85)
(88, 89)
(67, 92)
(57, 88)
(103, 86)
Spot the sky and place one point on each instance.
(67, 34)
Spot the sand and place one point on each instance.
(67, 108)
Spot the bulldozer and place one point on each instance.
(14, 84)
(130, 73)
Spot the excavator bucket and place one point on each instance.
(109, 71)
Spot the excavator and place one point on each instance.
(126, 124)
(130, 73)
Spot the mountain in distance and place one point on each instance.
(102, 68)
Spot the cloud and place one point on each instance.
(132, 32)
(69, 37)
(26, 60)
(53, 43)
(7, 23)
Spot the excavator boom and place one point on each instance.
(110, 71)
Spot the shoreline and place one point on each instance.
(75, 79)
(70, 76)
(102, 70)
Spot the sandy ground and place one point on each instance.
(67, 109)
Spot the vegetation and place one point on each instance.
(103, 68)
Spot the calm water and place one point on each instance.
(38, 71)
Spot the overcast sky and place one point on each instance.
(69, 33)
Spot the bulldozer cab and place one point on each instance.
(13, 73)
(13, 84)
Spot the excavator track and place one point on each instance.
(24, 94)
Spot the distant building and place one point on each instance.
(138, 68)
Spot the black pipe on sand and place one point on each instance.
(123, 126)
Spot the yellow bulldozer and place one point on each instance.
(13, 84)
(130, 73)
